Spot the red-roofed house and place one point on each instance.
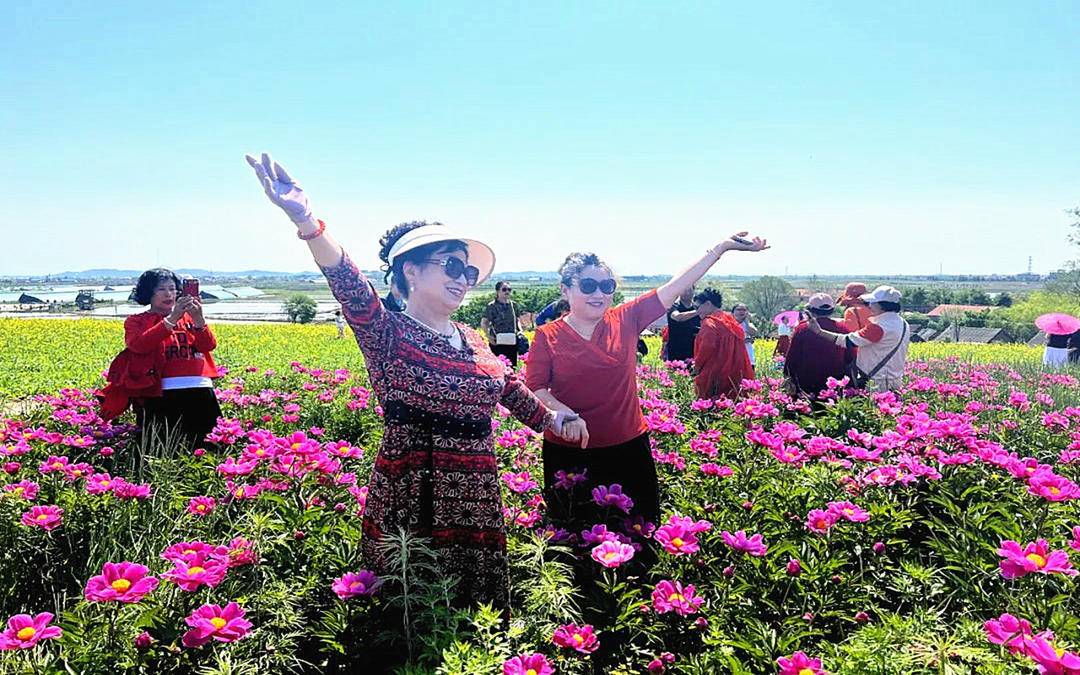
(942, 310)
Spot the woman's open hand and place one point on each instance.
(739, 242)
(280, 187)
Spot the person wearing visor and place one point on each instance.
(586, 364)
(882, 343)
(436, 474)
(857, 314)
(813, 358)
(721, 361)
(500, 323)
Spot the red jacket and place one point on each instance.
(154, 351)
(720, 357)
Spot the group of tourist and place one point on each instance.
(439, 381)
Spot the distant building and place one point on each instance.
(974, 335)
(942, 310)
(925, 335)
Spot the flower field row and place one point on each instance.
(933, 530)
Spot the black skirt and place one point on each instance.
(194, 412)
(629, 464)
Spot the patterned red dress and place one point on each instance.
(436, 473)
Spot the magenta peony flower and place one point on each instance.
(794, 567)
(848, 511)
(528, 664)
(125, 490)
(212, 622)
(519, 482)
(24, 489)
(353, 584)
(1052, 487)
(1034, 557)
(612, 495)
(799, 664)
(120, 582)
(24, 631)
(202, 571)
(820, 521)
(47, 517)
(1051, 660)
(671, 596)
(99, 483)
(566, 480)
(711, 469)
(754, 545)
(189, 551)
(1012, 632)
(241, 552)
(612, 553)
(676, 539)
(201, 506)
(143, 640)
(578, 638)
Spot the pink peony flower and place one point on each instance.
(241, 552)
(710, 469)
(799, 664)
(47, 517)
(353, 584)
(99, 483)
(120, 582)
(202, 571)
(1012, 632)
(578, 638)
(820, 521)
(566, 480)
(1052, 487)
(671, 596)
(212, 622)
(1075, 543)
(1034, 557)
(528, 664)
(612, 495)
(794, 568)
(24, 631)
(754, 545)
(1051, 660)
(24, 489)
(201, 506)
(848, 511)
(189, 551)
(519, 482)
(676, 539)
(612, 553)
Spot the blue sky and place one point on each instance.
(859, 137)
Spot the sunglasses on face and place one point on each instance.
(454, 268)
(506, 290)
(588, 285)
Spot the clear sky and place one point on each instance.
(860, 137)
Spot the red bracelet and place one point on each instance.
(313, 235)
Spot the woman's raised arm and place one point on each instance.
(670, 291)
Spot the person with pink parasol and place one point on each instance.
(1060, 329)
(785, 326)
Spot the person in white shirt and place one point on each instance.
(883, 343)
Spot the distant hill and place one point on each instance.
(109, 273)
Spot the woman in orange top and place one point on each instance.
(175, 333)
(857, 315)
(720, 356)
(585, 364)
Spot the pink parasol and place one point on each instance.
(792, 317)
(1058, 323)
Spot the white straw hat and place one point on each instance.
(480, 254)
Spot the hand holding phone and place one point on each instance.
(191, 287)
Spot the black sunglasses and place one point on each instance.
(589, 285)
(454, 268)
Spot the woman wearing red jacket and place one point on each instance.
(173, 333)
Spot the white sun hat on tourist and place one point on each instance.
(881, 294)
(480, 254)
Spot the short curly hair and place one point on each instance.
(710, 295)
(148, 282)
(576, 262)
(394, 272)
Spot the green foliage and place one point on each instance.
(300, 308)
(767, 296)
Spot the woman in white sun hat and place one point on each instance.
(882, 343)
(436, 474)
